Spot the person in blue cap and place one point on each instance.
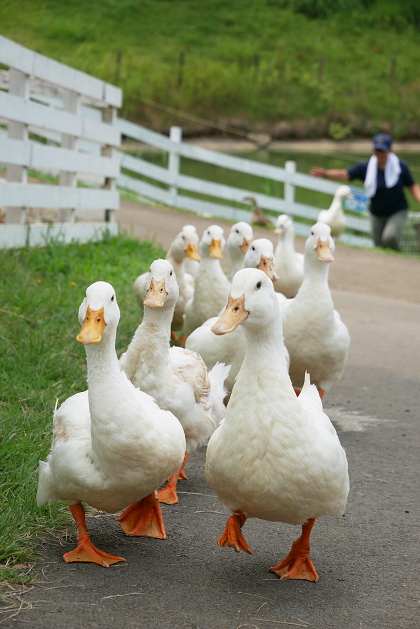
(384, 176)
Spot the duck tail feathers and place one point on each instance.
(217, 377)
(43, 493)
(309, 394)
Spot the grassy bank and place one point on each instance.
(40, 362)
(341, 68)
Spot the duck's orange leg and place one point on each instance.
(320, 391)
(85, 550)
(298, 564)
(144, 518)
(181, 341)
(232, 535)
(168, 494)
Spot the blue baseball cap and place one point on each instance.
(382, 142)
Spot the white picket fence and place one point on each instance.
(82, 132)
(28, 120)
(176, 184)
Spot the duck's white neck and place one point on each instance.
(316, 272)
(286, 243)
(337, 206)
(148, 351)
(237, 259)
(158, 321)
(210, 267)
(104, 376)
(264, 347)
(102, 361)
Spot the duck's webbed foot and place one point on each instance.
(168, 494)
(144, 518)
(298, 564)
(85, 550)
(232, 535)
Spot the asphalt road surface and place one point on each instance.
(368, 560)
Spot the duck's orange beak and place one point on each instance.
(93, 327)
(216, 249)
(245, 245)
(156, 294)
(234, 314)
(192, 253)
(267, 265)
(323, 251)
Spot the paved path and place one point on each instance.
(368, 561)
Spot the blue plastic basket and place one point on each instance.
(358, 202)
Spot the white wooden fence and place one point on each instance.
(86, 138)
(28, 119)
(176, 184)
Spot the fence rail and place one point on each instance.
(85, 136)
(177, 184)
(74, 128)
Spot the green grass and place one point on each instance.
(40, 361)
(330, 62)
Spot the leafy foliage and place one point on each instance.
(255, 59)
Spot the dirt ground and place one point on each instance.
(368, 560)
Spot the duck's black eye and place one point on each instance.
(208, 233)
(113, 297)
(253, 248)
(312, 233)
(258, 286)
(183, 237)
(237, 231)
(170, 273)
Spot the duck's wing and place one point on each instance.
(72, 420)
(190, 367)
(312, 405)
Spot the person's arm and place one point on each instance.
(415, 191)
(330, 173)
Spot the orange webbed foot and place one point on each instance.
(168, 494)
(85, 550)
(232, 535)
(298, 564)
(143, 518)
(296, 567)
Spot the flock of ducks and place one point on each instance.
(268, 343)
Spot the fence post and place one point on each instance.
(289, 188)
(71, 103)
(18, 86)
(109, 116)
(175, 134)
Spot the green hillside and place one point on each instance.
(338, 67)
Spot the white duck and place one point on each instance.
(240, 237)
(230, 349)
(317, 339)
(112, 445)
(211, 285)
(275, 456)
(191, 266)
(289, 263)
(334, 216)
(176, 378)
(184, 246)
